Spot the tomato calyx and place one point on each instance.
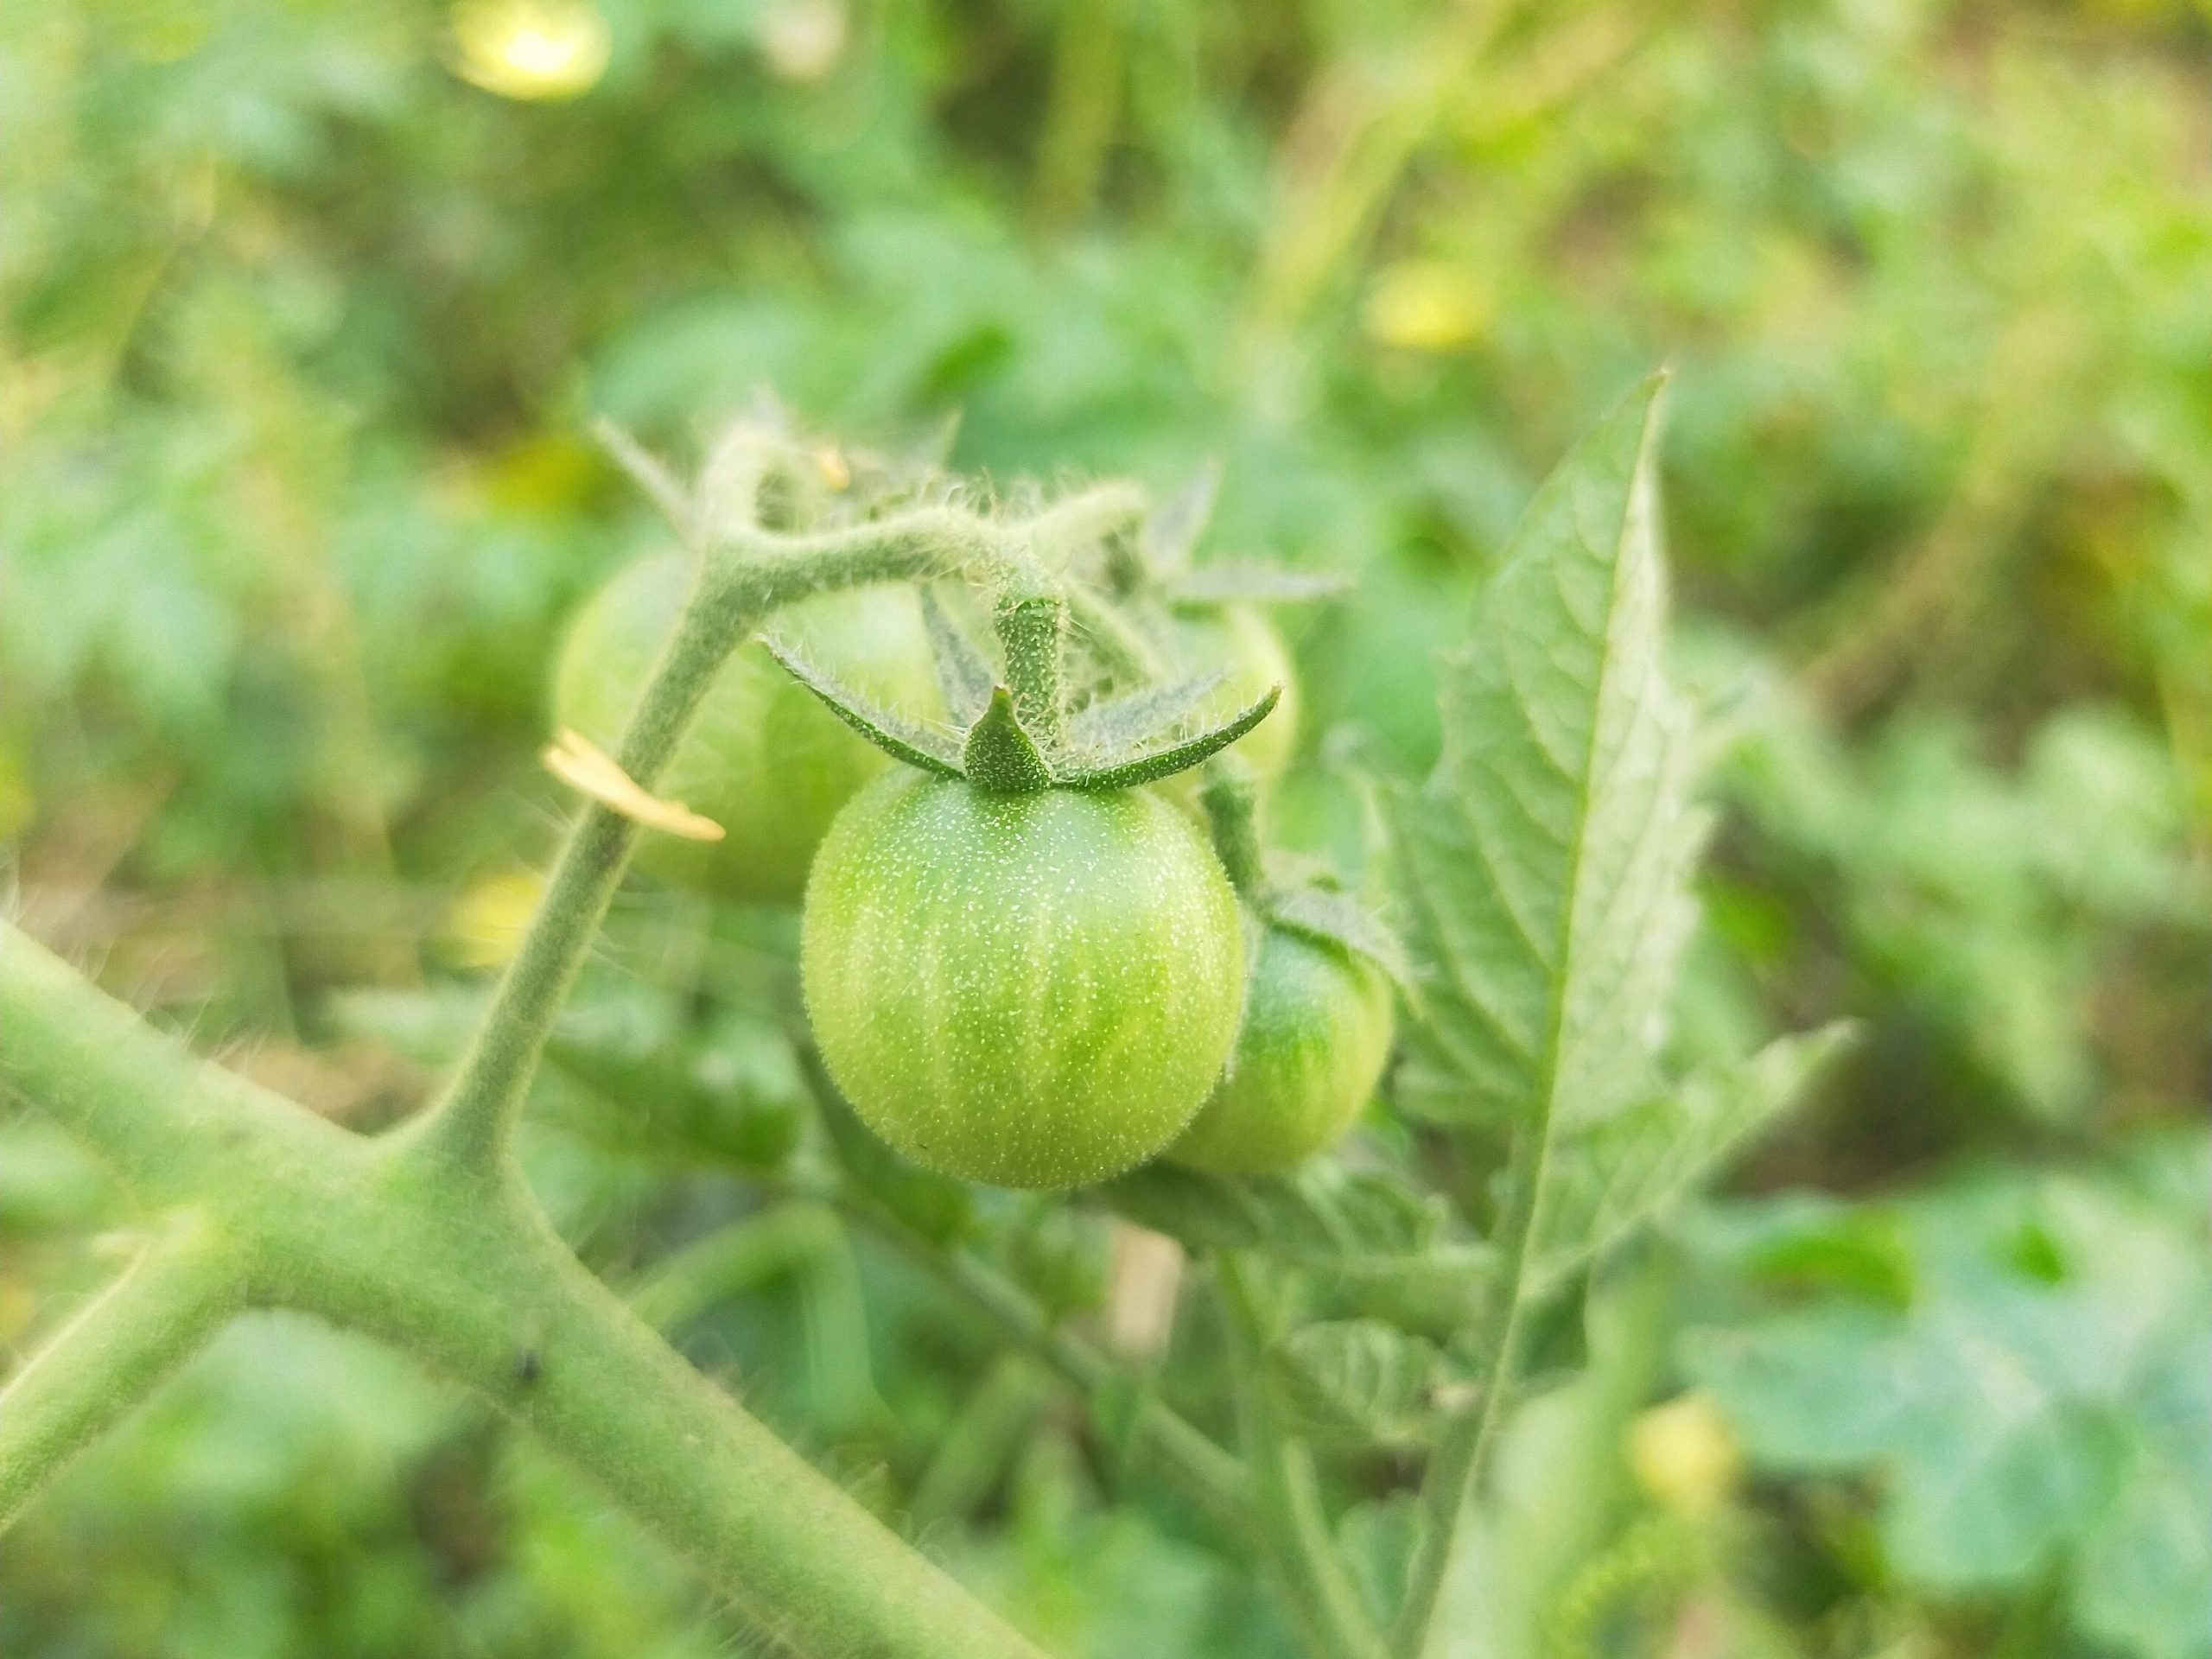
(1016, 734)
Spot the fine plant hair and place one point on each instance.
(1538, 882)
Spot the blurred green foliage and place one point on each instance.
(299, 331)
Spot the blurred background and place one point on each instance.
(304, 309)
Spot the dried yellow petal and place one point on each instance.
(583, 765)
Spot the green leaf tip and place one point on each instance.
(899, 739)
(1151, 765)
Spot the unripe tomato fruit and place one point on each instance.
(1241, 640)
(1032, 990)
(1317, 1021)
(765, 761)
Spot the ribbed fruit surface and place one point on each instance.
(1030, 990)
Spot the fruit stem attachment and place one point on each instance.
(999, 755)
(1032, 620)
(1231, 798)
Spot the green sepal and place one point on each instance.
(1105, 632)
(1333, 917)
(1165, 762)
(1176, 523)
(962, 672)
(1000, 755)
(895, 737)
(1117, 723)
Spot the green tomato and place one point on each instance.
(1317, 1029)
(1030, 990)
(765, 761)
(1243, 642)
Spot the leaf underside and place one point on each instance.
(1619, 1176)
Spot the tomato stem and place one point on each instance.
(1292, 1521)
(1231, 798)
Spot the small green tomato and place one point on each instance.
(1031, 990)
(765, 761)
(1317, 1029)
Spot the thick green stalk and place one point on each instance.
(399, 1239)
(169, 1124)
(475, 1284)
(1292, 1521)
(1031, 620)
(1462, 1454)
(1231, 799)
(98, 1368)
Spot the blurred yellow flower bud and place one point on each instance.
(1684, 1455)
(538, 50)
(486, 922)
(1426, 305)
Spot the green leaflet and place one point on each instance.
(2040, 1401)
(1542, 868)
(1360, 1382)
(1616, 1177)
(1320, 1211)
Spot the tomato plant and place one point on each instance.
(1019, 966)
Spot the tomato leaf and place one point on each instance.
(1541, 869)
(1356, 1381)
(2041, 1404)
(1617, 1177)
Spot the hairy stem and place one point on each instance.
(1462, 1454)
(1210, 1475)
(170, 1125)
(1292, 1521)
(1032, 621)
(1230, 797)
(482, 1291)
(397, 1239)
(97, 1369)
(761, 573)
